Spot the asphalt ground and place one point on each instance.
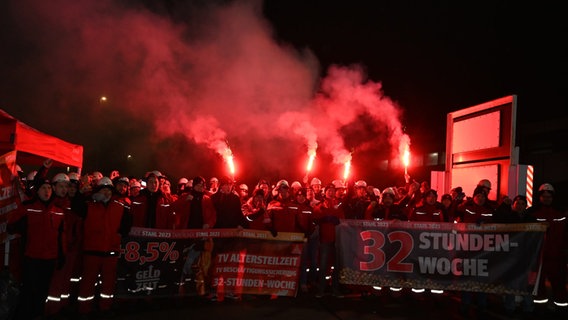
(376, 305)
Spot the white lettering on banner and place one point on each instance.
(164, 234)
(149, 233)
(148, 274)
(457, 267)
(465, 241)
(266, 260)
(243, 270)
(281, 284)
(238, 282)
(148, 279)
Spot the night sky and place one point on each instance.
(234, 68)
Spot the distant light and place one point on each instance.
(103, 99)
(129, 157)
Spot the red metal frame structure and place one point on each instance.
(480, 144)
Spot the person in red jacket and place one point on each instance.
(254, 210)
(60, 288)
(151, 208)
(327, 215)
(41, 224)
(476, 210)
(195, 210)
(555, 248)
(305, 224)
(430, 210)
(282, 217)
(106, 220)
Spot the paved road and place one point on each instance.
(379, 306)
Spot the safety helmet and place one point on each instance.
(156, 173)
(60, 177)
(19, 169)
(183, 181)
(295, 184)
(104, 182)
(74, 176)
(243, 186)
(31, 175)
(484, 183)
(97, 175)
(338, 184)
(315, 181)
(376, 192)
(214, 179)
(389, 190)
(123, 180)
(135, 184)
(546, 187)
(361, 184)
(282, 183)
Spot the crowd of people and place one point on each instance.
(71, 226)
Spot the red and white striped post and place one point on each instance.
(529, 185)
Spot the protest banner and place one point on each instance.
(492, 258)
(161, 262)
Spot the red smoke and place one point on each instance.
(218, 76)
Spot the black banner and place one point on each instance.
(160, 262)
(493, 258)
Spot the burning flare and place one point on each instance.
(347, 169)
(229, 158)
(312, 156)
(406, 158)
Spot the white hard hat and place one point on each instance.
(546, 187)
(123, 180)
(390, 191)
(135, 184)
(282, 183)
(157, 173)
(315, 181)
(484, 183)
(243, 186)
(296, 184)
(361, 184)
(183, 181)
(60, 177)
(74, 176)
(104, 182)
(338, 184)
(97, 175)
(376, 192)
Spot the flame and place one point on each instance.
(229, 158)
(406, 158)
(346, 170)
(312, 155)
